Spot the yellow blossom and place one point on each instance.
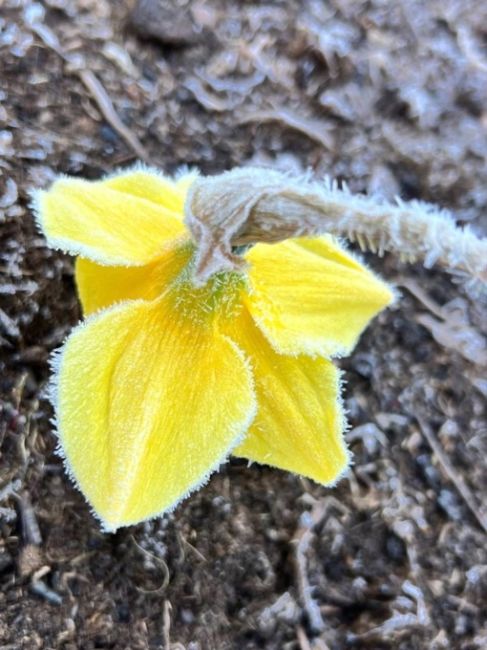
(164, 379)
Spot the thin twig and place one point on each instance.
(302, 540)
(166, 625)
(420, 294)
(104, 103)
(198, 554)
(454, 477)
(31, 533)
(158, 560)
(314, 129)
(39, 588)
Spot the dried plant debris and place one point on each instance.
(394, 94)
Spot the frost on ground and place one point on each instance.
(388, 97)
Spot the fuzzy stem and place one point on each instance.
(250, 205)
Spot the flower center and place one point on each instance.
(219, 298)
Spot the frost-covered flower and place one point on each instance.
(165, 378)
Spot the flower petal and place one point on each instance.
(148, 405)
(299, 421)
(125, 220)
(151, 184)
(101, 286)
(311, 297)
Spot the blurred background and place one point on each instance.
(389, 96)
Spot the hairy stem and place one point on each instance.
(250, 205)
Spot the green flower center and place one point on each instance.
(219, 298)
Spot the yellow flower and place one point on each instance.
(164, 379)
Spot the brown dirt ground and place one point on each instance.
(391, 97)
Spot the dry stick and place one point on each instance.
(39, 587)
(158, 560)
(31, 532)
(302, 539)
(314, 129)
(91, 83)
(250, 205)
(105, 105)
(311, 607)
(166, 625)
(449, 470)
